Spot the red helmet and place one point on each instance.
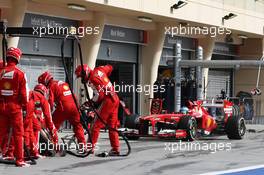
(41, 88)
(44, 78)
(14, 53)
(86, 68)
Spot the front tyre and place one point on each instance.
(189, 124)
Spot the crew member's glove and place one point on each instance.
(86, 105)
(54, 135)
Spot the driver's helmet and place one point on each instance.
(184, 110)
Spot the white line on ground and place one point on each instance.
(234, 170)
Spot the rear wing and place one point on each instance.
(213, 103)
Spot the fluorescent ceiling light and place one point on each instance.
(242, 36)
(145, 19)
(76, 7)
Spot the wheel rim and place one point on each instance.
(242, 127)
(193, 129)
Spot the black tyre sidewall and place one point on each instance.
(186, 123)
(233, 125)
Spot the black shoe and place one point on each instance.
(113, 153)
(103, 154)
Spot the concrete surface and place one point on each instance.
(153, 156)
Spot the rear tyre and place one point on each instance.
(236, 110)
(132, 121)
(235, 126)
(189, 124)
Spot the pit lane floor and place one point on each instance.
(154, 156)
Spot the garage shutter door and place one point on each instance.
(218, 80)
(33, 66)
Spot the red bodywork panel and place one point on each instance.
(162, 118)
(179, 134)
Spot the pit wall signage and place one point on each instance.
(45, 46)
(37, 20)
(128, 35)
(191, 44)
(186, 43)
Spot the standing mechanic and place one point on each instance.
(104, 95)
(13, 98)
(61, 97)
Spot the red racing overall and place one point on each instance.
(13, 96)
(29, 136)
(105, 95)
(66, 109)
(42, 117)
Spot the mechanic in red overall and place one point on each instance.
(104, 95)
(42, 114)
(13, 98)
(29, 137)
(61, 97)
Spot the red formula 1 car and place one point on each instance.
(200, 118)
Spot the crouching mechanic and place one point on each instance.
(108, 101)
(61, 97)
(13, 98)
(42, 118)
